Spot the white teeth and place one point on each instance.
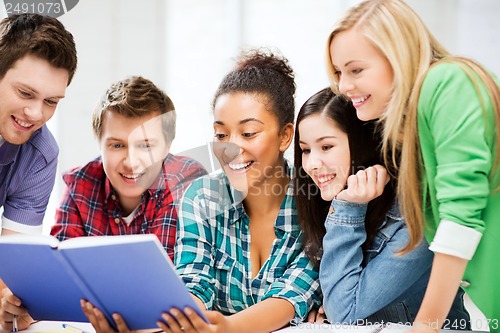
(359, 100)
(325, 178)
(131, 176)
(22, 123)
(239, 166)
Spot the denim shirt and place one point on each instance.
(377, 284)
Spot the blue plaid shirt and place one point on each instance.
(212, 253)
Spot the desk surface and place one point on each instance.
(56, 327)
(331, 328)
(338, 328)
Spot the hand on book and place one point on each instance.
(52, 276)
(99, 321)
(189, 321)
(316, 315)
(10, 305)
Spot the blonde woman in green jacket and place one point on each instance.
(441, 118)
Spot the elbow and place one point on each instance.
(339, 309)
(339, 315)
(341, 304)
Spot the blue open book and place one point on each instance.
(131, 275)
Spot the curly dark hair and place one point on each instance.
(263, 72)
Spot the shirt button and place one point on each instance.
(464, 284)
(117, 220)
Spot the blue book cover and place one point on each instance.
(131, 275)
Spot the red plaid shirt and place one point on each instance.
(90, 206)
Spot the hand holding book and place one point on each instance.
(130, 275)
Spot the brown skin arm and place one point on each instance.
(273, 314)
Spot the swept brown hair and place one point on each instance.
(136, 97)
(42, 36)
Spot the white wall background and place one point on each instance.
(187, 46)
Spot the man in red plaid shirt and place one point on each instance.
(134, 187)
(136, 184)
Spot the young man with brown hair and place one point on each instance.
(134, 187)
(38, 61)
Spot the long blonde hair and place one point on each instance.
(397, 31)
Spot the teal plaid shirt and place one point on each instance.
(212, 254)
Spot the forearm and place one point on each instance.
(353, 290)
(345, 234)
(447, 272)
(199, 303)
(4, 232)
(272, 314)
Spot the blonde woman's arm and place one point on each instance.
(446, 274)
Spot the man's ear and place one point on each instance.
(286, 137)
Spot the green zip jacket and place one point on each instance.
(458, 144)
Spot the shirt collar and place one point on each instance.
(161, 182)
(8, 153)
(394, 212)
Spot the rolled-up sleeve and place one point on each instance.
(193, 249)
(299, 284)
(457, 137)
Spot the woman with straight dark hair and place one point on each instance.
(352, 225)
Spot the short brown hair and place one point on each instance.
(136, 97)
(41, 36)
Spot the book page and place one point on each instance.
(92, 241)
(57, 327)
(133, 277)
(36, 273)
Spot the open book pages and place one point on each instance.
(77, 242)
